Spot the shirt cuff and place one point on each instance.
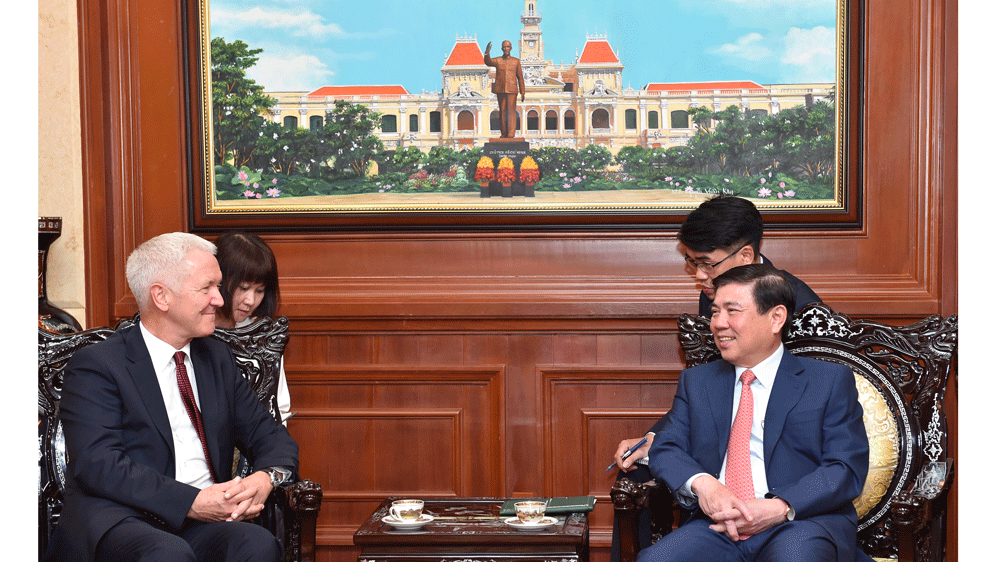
(686, 495)
(790, 512)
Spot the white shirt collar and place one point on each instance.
(767, 370)
(160, 352)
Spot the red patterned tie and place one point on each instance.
(187, 395)
(739, 478)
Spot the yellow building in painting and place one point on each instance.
(566, 105)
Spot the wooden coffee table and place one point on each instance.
(471, 530)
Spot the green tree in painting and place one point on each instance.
(285, 150)
(556, 160)
(702, 118)
(798, 141)
(347, 139)
(468, 159)
(237, 102)
(405, 160)
(593, 158)
(654, 162)
(804, 140)
(440, 159)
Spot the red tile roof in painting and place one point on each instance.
(466, 53)
(598, 52)
(348, 91)
(703, 86)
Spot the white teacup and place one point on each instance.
(530, 511)
(406, 510)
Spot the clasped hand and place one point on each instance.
(733, 516)
(235, 500)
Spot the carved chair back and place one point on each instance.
(901, 374)
(54, 351)
(257, 348)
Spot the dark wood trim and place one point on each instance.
(94, 109)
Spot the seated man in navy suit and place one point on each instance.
(766, 450)
(151, 417)
(722, 233)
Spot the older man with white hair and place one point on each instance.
(151, 417)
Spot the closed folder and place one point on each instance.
(577, 504)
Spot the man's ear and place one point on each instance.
(777, 316)
(160, 296)
(745, 255)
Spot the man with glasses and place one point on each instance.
(722, 233)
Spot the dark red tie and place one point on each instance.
(187, 395)
(739, 477)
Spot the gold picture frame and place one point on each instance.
(469, 209)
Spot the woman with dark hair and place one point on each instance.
(249, 289)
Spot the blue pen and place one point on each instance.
(629, 452)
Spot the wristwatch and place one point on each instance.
(277, 476)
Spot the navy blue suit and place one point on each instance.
(120, 445)
(815, 445)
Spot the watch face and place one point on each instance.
(531, 43)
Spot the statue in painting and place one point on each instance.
(509, 81)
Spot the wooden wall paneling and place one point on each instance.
(515, 303)
(587, 411)
(871, 273)
(369, 431)
(96, 102)
(133, 134)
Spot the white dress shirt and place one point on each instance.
(764, 375)
(190, 466)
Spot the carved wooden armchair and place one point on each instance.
(291, 510)
(901, 373)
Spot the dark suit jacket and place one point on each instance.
(120, 446)
(803, 294)
(815, 445)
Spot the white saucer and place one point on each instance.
(408, 525)
(542, 524)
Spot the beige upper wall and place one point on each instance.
(60, 169)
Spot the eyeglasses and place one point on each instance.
(710, 267)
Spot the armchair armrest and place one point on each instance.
(644, 513)
(290, 513)
(629, 498)
(918, 514)
(304, 499)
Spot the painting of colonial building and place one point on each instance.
(587, 101)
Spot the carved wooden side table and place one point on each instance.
(471, 530)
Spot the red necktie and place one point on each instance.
(187, 396)
(739, 478)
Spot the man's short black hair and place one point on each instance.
(725, 223)
(771, 287)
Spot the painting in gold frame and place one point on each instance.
(586, 105)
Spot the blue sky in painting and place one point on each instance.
(312, 43)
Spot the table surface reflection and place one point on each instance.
(466, 527)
